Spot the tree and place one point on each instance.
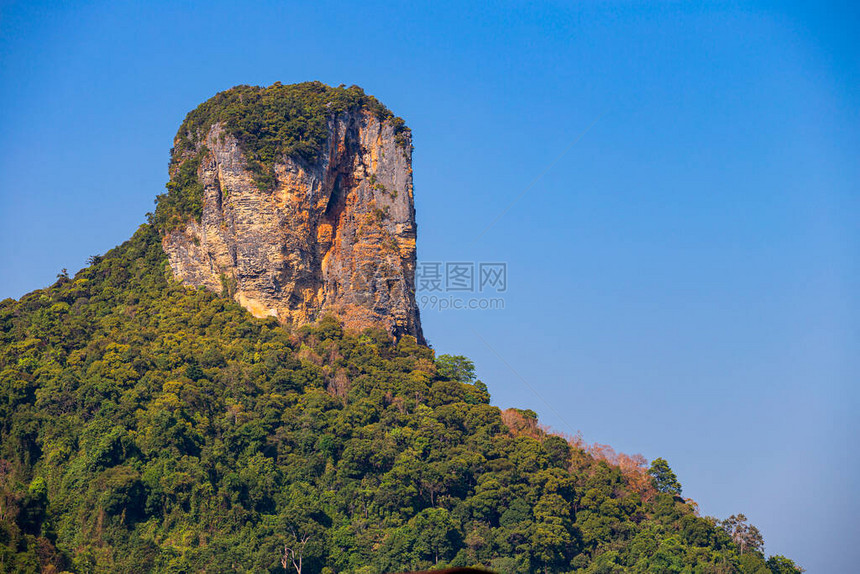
(558, 450)
(193, 370)
(664, 479)
(782, 565)
(551, 540)
(436, 535)
(34, 506)
(295, 553)
(456, 368)
(747, 537)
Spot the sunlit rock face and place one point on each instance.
(332, 236)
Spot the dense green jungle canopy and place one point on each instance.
(150, 427)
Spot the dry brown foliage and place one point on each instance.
(519, 425)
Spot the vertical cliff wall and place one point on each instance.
(296, 216)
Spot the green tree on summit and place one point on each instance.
(664, 479)
(782, 565)
(456, 368)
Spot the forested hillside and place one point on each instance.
(146, 426)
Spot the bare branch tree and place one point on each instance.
(746, 536)
(295, 553)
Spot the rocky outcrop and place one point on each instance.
(335, 235)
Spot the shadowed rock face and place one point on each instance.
(336, 235)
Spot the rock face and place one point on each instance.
(332, 236)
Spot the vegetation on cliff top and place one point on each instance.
(269, 124)
(149, 427)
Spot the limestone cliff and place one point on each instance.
(298, 215)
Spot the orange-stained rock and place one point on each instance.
(336, 236)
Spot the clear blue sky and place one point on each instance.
(682, 281)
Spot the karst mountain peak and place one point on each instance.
(297, 201)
